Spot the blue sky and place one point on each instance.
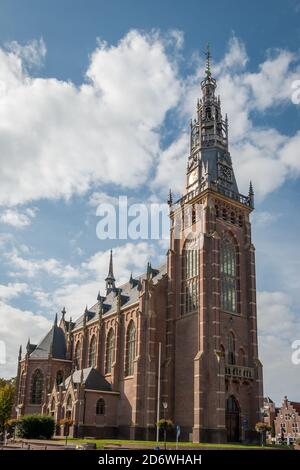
(95, 100)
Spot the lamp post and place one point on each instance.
(165, 405)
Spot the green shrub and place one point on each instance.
(36, 426)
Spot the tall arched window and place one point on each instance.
(130, 348)
(22, 387)
(231, 348)
(77, 355)
(37, 387)
(69, 407)
(100, 407)
(52, 409)
(110, 351)
(190, 277)
(92, 352)
(228, 275)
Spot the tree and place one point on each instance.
(7, 393)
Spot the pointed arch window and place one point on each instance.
(228, 275)
(92, 352)
(231, 348)
(69, 407)
(190, 277)
(77, 355)
(110, 351)
(130, 348)
(37, 387)
(100, 407)
(22, 387)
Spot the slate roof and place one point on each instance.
(92, 379)
(129, 295)
(53, 343)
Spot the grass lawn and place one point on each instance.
(103, 443)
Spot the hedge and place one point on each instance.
(36, 426)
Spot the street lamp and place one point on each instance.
(165, 406)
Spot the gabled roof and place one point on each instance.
(92, 379)
(129, 295)
(54, 343)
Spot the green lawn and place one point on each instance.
(101, 443)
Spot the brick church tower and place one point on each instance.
(213, 375)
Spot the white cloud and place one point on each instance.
(18, 219)
(62, 138)
(264, 218)
(173, 162)
(278, 327)
(31, 54)
(12, 290)
(97, 198)
(33, 267)
(16, 326)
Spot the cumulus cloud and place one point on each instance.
(18, 219)
(62, 138)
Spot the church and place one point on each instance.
(187, 328)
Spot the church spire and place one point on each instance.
(208, 57)
(110, 279)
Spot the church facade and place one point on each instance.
(101, 371)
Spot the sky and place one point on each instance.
(95, 103)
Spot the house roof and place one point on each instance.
(92, 379)
(296, 406)
(54, 344)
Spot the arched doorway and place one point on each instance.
(232, 419)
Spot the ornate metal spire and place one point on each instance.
(55, 320)
(208, 57)
(110, 279)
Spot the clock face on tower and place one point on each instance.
(225, 173)
(192, 176)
